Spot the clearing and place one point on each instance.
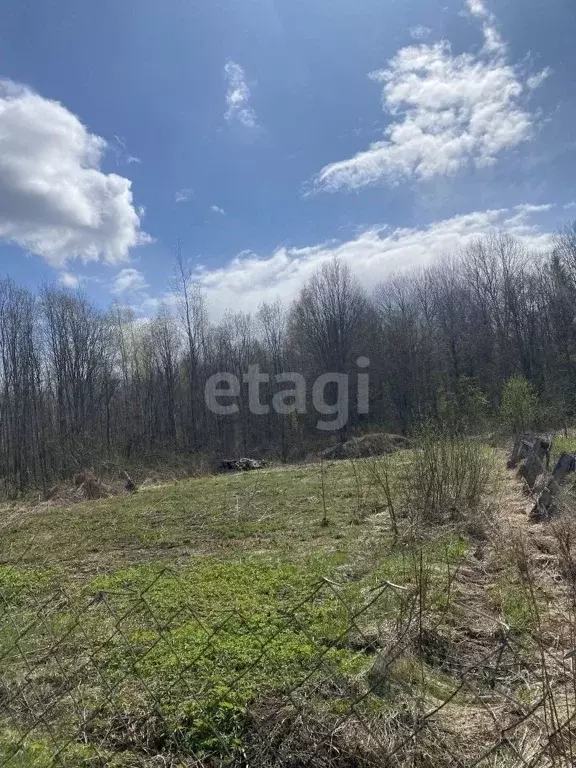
(276, 618)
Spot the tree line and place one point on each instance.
(81, 385)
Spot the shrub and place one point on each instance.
(447, 476)
(519, 406)
(467, 408)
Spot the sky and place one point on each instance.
(265, 136)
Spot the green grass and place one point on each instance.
(277, 509)
(152, 623)
(561, 445)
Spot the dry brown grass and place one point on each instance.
(486, 680)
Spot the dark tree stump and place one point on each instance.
(240, 465)
(521, 449)
(534, 459)
(544, 507)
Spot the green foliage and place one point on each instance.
(467, 408)
(39, 753)
(561, 445)
(215, 637)
(514, 603)
(184, 652)
(519, 404)
(221, 635)
(16, 584)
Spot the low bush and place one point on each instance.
(446, 477)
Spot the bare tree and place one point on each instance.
(79, 385)
(193, 318)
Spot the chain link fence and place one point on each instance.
(395, 675)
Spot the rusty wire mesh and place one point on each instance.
(114, 679)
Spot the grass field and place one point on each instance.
(183, 624)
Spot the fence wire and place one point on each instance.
(148, 677)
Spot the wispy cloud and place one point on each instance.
(238, 94)
(217, 209)
(183, 195)
(420, 32)
(128, 280)
(493, 42)
(69, 280)
(447, 112)
(536, 80)
(123, 157)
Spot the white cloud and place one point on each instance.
(121, 151)
(149, 305)
(420, 32)
(69, 280)
(493, 42)
(183, 195)
(56, 202)
(447, 112)
(536, 80)
(238, 96)
(529, 208)
(477, 8)
(217, 209)
(249, 279)
(128, 280)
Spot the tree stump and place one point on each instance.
(129, 485)
(534, 459)
(544, 507)
(240, 465)
(521, 449)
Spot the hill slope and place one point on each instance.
(277, 618)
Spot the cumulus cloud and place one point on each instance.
(128, 280)
(375, 253)
(447, 112)
(55, 200)
(238, 107)
(217, 209)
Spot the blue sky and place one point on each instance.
(266, 135)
